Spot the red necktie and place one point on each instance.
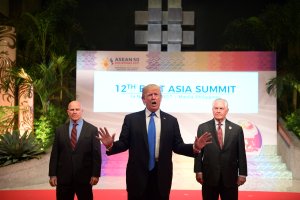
(220, 135)
(74, 136)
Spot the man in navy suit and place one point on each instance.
(221, 166)
(74, 169)
(144, 183)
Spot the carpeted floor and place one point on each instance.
(121, 195)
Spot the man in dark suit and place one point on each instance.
(75, 162)
(222, 165)
(146, 182)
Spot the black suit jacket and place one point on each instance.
(133, 137)
(76, 166)
(228, 162)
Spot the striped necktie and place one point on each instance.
(74, 136)
(220, 135)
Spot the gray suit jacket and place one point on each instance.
(228, 162)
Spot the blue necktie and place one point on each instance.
(151, 141)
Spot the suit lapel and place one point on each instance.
(228, 133)
(82, 133)
(163, 124)
(212, 127)
(66, 136)
(142, 122)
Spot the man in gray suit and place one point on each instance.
(221, 166)
(75, 161)
(144, 182)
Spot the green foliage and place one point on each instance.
(286, 88)
(15, 148)
(44, 130)
(276, 29)
(46, 59)
(293, 122)
(40, 33)
(51, 82)
(7, 117)
(245, 34)
(46, 124)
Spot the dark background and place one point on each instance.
(109, 24)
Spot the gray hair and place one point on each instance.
(220, 99)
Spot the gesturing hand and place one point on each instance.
(203, 140)
(105, 138)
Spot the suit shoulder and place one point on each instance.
(235, 125)
(167, 115)
(135, 114)
(85, 123)
(62, 126)
(207, 123)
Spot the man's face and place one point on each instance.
(74, 110)
(152, 98)
(219, 110)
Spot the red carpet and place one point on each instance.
(121, 195)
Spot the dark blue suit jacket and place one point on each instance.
(133, 137)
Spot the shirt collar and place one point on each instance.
(79, 122)
(222, 122)
(148, 112)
